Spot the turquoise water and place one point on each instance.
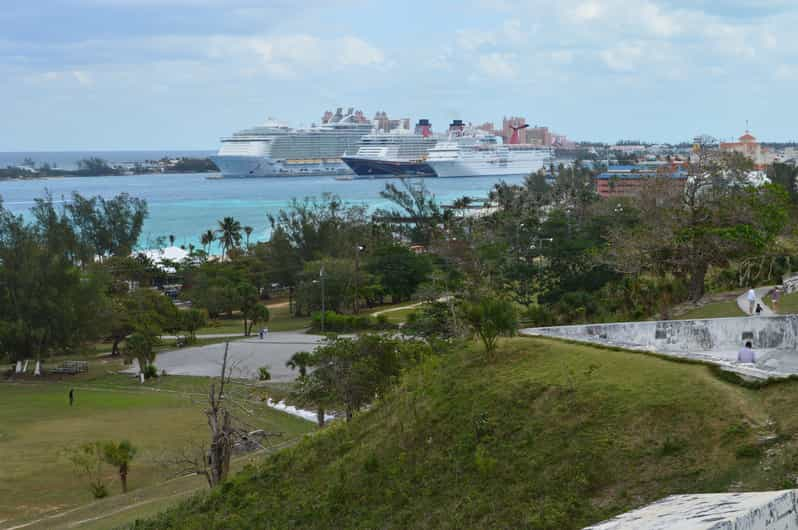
(188, 204)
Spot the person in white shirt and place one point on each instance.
(751, 296)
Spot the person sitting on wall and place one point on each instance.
(746, 354)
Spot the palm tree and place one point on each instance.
(120, 455)
(207, 238)
(171, 240)
(248, 232)
(229, 234)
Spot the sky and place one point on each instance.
(179, 74)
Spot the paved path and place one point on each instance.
(208, 336)
(742, 301)
(246, 356)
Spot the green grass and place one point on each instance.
(400, 316)
(552, 435)
(280, 319)
(714, 310)
(38, 427)
(788, 304)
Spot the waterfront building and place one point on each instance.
(628, 180)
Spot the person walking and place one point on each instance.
(751, 296)
(71, 396)
(746, 354)
(774, 298)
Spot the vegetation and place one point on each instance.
(39, 431)
(551, 435)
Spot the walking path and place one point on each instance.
(742, 301)
(208, 336)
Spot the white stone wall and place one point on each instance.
(763, 510)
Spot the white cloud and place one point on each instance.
(586, 11)
(497, 65)
(622, 58)
(82, 78)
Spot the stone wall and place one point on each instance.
(717, 340)
(762, 510)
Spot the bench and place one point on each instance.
(71, 367)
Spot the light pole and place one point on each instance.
(358, 249)
(321, 279)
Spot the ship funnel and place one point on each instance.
(424, 128)
(514, 138)
(456, 127)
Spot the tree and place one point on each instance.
(47, 302)
(248, 232)
(489, 318)
(207, 238)
(191, 320)
(247, 304)
(143, 310)
(140, 346)
(257, 314)
(717, 217)
(88, 460)
(107, 227)
(415, 207)
(398, 270)
(349, 373)
(120, 455)
(229, 232)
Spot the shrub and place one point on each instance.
(340, 323)
(264, 374)
(150, 371)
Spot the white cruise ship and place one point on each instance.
(397, 153)
(484, 156)
(275, 150)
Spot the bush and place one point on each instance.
(264, 374)
(150, 371)
(340, 323)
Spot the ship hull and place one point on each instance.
(264, 167)
(370, 168)
(473, 168)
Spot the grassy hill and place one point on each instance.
(554, 435)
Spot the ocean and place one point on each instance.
(186, 205)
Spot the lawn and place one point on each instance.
(280, 319)
(38, 427)
(728, 308)
(787, 305)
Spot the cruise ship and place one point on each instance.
(466, 154)
(275, 150)
(394, 154)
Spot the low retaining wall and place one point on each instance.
(762, 510)
(717, 340)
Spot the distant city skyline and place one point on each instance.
(179, 74)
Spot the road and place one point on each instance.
(246, 356)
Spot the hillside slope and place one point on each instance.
(553, 435)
